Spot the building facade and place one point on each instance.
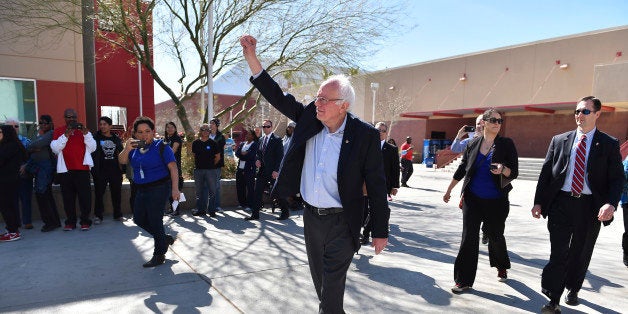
(536, 85)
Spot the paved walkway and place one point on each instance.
(229, 265)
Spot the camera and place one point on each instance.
(141, 144)
(76, 126)
(493, 167)
(469, 128)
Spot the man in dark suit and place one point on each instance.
(579, 187)
(269, 154)
(390, 156)
(331, 156)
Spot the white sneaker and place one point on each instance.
(219, 209)
(97, 221)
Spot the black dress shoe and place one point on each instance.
(550, 308)
(572, 298)
(170, 239)
(283, 217)
(364, 240)
(212, 214)
(47, 228)
(198, 213)
(626, 259)
(484, 238)
(251, 218)
(155, 261)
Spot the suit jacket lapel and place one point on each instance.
(345, 146)
(566, 150)
(594, 149)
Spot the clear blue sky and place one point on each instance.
(445, 28)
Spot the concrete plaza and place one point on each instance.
(229, 265)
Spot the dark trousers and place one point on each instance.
(245, 187)
(76, 183)
(149, 211)
(25, 196)
(101, 179)
(406, 170)
(10, 212)
(133, 194)
(261, 183)
(494, 213)
(573, 228)
(43, 193)
(330, 249)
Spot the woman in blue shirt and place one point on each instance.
(488, 165)
(154, 170)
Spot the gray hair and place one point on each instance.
(380, 124)
(344, 85)
(11, 120)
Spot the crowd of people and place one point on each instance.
(345, 198)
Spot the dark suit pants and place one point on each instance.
(114, 179)
(406, 170)
(149, 211)
(494, 213)
(76, 183)
(245, 187)
(330, 249)
(573, 228)
(10, 212)
(368, 222)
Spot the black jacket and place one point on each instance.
(271, 156)
(605, 174)
(504, 153)
(390, 154)
(360, 160)
(12, 155)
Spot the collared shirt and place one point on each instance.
(572, 160)
(319, 178)
(381, 144)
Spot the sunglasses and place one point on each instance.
(267, 127)
(16, 126)
(382, 131)
(70, 117)
(43, 123)
(584, 111)
(495, 120)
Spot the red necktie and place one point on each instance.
(577, 182)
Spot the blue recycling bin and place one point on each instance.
(429, 161)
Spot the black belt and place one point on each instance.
(574, 195)
(323, 211)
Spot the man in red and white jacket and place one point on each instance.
(73, 145)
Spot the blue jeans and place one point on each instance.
(25, 195)
(205, 184)
(148, 213)
(215, 202)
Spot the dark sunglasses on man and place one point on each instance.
(585, 112)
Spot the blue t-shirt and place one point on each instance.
(482, 184)
(149, 166)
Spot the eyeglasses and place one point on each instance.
(495, 120)
(382, 131)
(70, 117)
(266, 126)
(584, 111)
(324, 100)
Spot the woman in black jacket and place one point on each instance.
(12, 155)
(245, 175)
(488, 165)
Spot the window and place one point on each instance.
(19, 102)
(117, 115)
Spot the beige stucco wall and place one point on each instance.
(52, 57)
